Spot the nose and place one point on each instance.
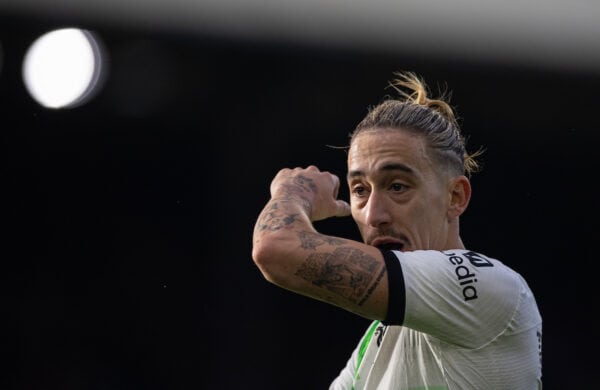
(377, 211)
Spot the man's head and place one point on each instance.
(408, 172)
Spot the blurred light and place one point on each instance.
(64, 68)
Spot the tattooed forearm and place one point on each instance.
(274, 219)
(295, 193)
(347, 272)
(310, 240)
(277, 216)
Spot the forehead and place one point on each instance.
(376, 150)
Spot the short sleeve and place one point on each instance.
(460, 297)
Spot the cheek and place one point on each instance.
(431, 215)
(358, 217)
(419, 213)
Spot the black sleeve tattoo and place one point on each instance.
(273, 219)
(310, 240)
(347, 272)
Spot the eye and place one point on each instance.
(359, 191)
(398, 187)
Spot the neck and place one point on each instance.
(454, 240)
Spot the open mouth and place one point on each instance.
(391, 246)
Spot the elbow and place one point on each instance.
(274, 258)
(264, 256)
(259, 254)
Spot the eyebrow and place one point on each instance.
(385, 168)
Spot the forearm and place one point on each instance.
(276, 238)
(281, 223)
(292, 254)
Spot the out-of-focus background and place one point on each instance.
(128, 203)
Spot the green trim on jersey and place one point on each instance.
(363, 347)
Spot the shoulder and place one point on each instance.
(450, 292)
(460, 262)
(468, 271)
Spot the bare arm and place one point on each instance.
(293, 255)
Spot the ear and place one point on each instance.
(460, 194)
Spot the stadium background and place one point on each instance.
(128, 220)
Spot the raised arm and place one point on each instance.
(293, 255)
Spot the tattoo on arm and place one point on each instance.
(310, 240)
(273, 219)
(347, 272)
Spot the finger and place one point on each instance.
(343, 208)
(336, 186)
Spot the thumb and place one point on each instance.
(342, 209)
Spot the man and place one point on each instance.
(444, 317)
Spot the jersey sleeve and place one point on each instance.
(460, 297)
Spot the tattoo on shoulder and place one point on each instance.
(310, 240)
(346, 271)
(273, 219)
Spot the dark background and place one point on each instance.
(127, 221)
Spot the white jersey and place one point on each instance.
(470, 322)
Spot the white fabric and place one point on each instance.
(470, 323)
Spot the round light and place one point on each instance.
(63, 68)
